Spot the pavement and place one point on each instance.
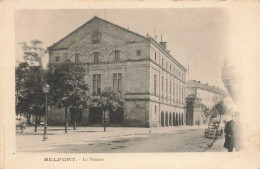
(217, 146)
(31, 140)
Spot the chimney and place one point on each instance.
(199, 82)
(163, 44)
(207, 84)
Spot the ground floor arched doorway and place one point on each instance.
(95, 115)
(117, 117)
(166, 119)
(162, 119)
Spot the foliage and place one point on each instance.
(110, 99)
(206, 111)
(30, 98)
(221, 108)
(33, 52)
(68, 88)
(67, 85)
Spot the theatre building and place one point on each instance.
(151, 81)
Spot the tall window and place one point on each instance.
(155, 56)
(117, 55)
(96, 84)
(76, 58)
(166, 88)
(96, 57)
(177, 92)
(154, 85)
(155, 109)
(162, 61)
(173, 90)
(170, 68)
(166, 65)
(170, 90)
(162, 86)
(117, 81)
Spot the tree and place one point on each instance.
(221, 108)
(67, 87)
(206, 111)
(34, 52)
(110, 99)
(29, 95)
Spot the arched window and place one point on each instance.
(117, 55)
(96, 57)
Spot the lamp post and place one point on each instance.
(45, 89)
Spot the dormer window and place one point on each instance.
(96, 57)
(117, 55)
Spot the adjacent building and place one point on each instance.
(198, 93)
(150, 79)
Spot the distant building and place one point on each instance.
(198, 93)
(150, 79)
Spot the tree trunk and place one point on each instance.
(104, 121)
(75, 122)
(35, 123)
(66, 120)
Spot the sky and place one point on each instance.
(196, 37)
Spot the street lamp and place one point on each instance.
(45, 89)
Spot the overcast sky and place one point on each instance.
(196, 37)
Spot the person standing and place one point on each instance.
(233, 134)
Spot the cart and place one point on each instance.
(214, 131)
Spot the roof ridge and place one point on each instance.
(92, 19)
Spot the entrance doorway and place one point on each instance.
(95, 115)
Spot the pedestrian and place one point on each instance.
(233, 133)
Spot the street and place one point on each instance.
(115, 140)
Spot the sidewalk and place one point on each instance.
(33, 140)
(218, 146)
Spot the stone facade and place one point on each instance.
(151, 81)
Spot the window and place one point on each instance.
(166, 88)
(96, 37)
(177, 92)
(117, 81)
(170, 89)
(138, 52)
(162, 61)
(166, 65)
(173, 90)
(162, 86)
(76, 58)
(117, 55)
(170, 68)
(155, 56)
(154, 85)
(96, 57)
(96, 84)
(57, 59)
(155, 109)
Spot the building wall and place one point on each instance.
(138, 65)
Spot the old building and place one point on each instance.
(151, 81)
(198, 93)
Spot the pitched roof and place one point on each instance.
(80, 32)
(198, 84)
